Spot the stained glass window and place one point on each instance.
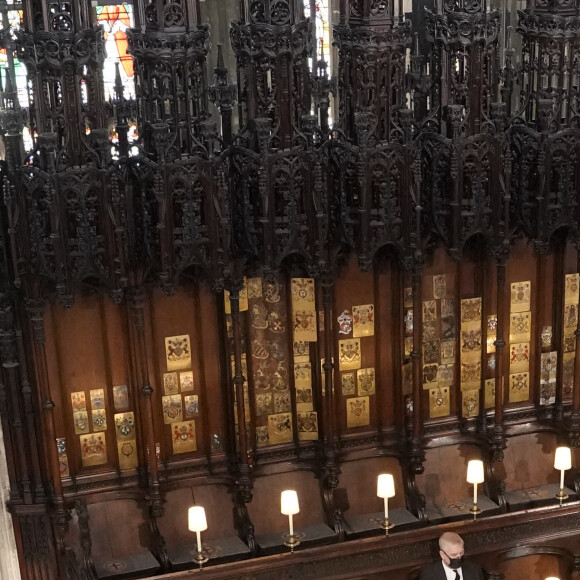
(20, 75)
(14, 21)
(115, 19)
(322, 27)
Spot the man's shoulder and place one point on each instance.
(431, 571)
(473, 567)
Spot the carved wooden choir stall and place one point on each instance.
(291, 263)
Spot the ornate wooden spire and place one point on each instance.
(465, 38)
(372, 39)
(169, 45)
(63, 50)
(549, 73)
(272, 42)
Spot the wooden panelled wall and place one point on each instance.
(368, 268)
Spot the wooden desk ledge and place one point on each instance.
(460, 509)
(369, 523)
(318, 534)
(142, 563)
(535, 496)
(358, 558)
(219, 551)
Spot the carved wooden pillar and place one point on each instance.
(244, 482)
(140, 360)
(15, 483)
(223, 95)
(139, 355)
(455, 115)
(87, 565)
(32, 528)
(11, 411)
(58, 513)
(539, 284)
(497, 438)
(364, 124)
(12, 120)
(329, 411)
(574, 430)
(398, 351)
(416, 451)
(558, 328)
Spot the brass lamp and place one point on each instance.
(197, 523)
(562, 461)
(289, 507)
(475, 475)
(386, 489)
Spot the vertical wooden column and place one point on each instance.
(480, 283)
(329, 409)
(223, 96)
(574, 430)
(244, 483)
(535, 377)
(397, 350)
(417, 454)
(140, 358)
(558, 327)
(139, 350)
(329, 418)
(203, 398)
(58, 514)
(497, 439)
(11, 409)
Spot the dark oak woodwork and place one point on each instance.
(439, 142)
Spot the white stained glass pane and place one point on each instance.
(322, 27)
(14, 21)
(115, 20)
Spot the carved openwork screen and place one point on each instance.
(251, 242)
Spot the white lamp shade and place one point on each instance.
(553, 578)
(196, 519)
(385, 485)
(289, 502)
(563, 458)
(475, 471)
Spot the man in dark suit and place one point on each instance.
(452, 565)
